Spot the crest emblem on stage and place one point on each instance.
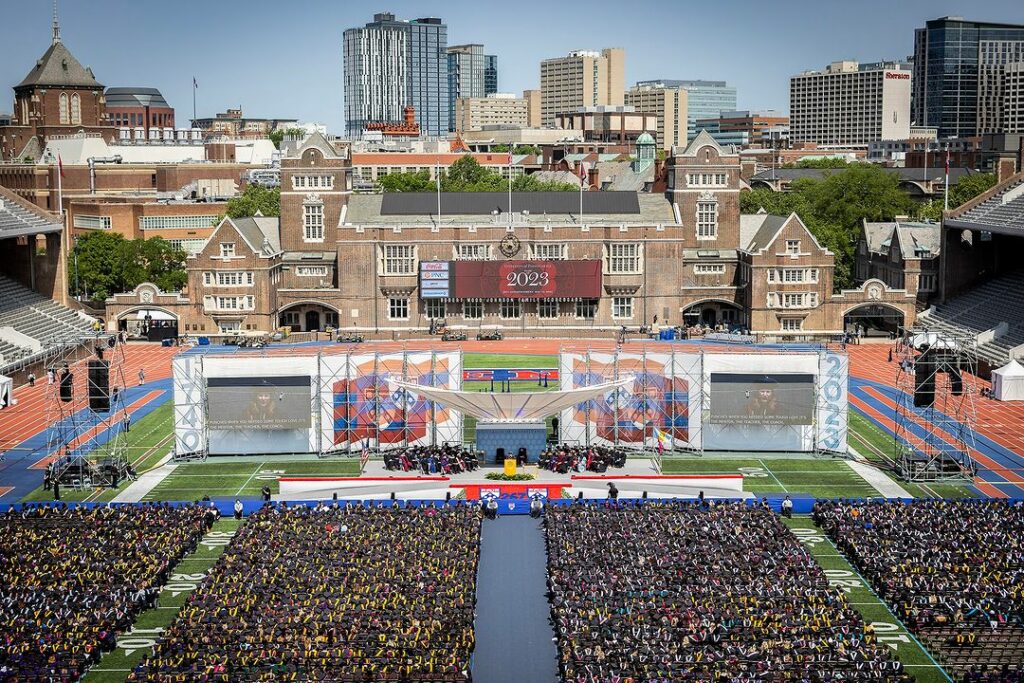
(509, 245)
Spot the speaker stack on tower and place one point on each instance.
(99, 385)
(924, 379)
(67, 384)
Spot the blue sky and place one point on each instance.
(284, 59)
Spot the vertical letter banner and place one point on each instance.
(833, 413)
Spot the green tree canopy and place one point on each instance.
(266, 200)
(834, 207)
(467, 175)
(966, 189)
(820, 162)
(106, 263)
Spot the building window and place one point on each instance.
(434, 308)
(313, 222)
(290, 318)
(548, 251)
(792, 246)
(511, 309)
(311, 271)
(226, 326)
(707, 220)
(398, 308)
(926, 283)
(792, 324)
(792, 275)
(231, 278)
(586, 309)
(227, 249)
(399, 259)
(547, 309)
(318, 182)
(472, 309)
(622, 307)
(709, 268)
(76, 110)
(65, 118)
(92, 222)
(624, 257)
(171, 222)
(472, 252)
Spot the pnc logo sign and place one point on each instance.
(894, 76)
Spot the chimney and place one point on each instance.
(594, 177)
(410, 115)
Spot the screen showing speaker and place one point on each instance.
(259, 402)
(762, 399)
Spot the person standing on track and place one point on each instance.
(142, 376)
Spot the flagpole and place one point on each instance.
(510, 184)
(437, 173)
(60, 188)
(945, 201)
(583, 175)
(194, 87)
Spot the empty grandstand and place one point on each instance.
(981, 281)
(33, 325)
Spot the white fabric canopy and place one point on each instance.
(1008, 382)
(6, 391)
(519, 407)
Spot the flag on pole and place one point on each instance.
(945, 200)
(60, 166)
(195, 83)
(582, 169)
(510, 155)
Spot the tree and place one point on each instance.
(277, 136)
(418, 181)
(834, 207)
(467, 175)
(965, 189)
(821, 162)
(107, 264)
(266, 200)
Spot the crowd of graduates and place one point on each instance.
(331, 593)
(565, 458)
(427, 460)
(680, 591)
(71, 579)
(952, 571)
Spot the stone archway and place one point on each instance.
(308, 316)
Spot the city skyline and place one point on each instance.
(264, 60)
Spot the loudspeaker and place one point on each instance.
(924, 380)
(99, 386)
(67, 386)
(956, 381)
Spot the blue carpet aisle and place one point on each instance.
(513, 636)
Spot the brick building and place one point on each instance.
(138, 108)
(58, 97)
(184, 222)
(354, 262)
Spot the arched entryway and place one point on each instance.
(715, 313)
(873, 320)
(308, 316)
(150, 323)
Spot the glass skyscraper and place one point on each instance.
(466, 67)
(958, 72)
(705, 99)
(490, 74)
(390, 64)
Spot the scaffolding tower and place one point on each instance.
(87, 418)
(935, 411)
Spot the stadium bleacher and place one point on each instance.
(34, 315)
(983, 308)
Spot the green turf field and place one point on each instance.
(819, 477)
(148, 441)
(889, 630)
(229, 478)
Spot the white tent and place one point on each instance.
(6, 391)
(1008, 382)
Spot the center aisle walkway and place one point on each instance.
(513, 635)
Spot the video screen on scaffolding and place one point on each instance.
(259, 402)
(762, 399)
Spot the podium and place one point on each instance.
(510, 467)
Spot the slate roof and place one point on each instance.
(1003, 212)
(59, 68)
(481, 203)
(765, 232)
(19, 217)
(254, 230)
(135, 97)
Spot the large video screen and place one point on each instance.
(510, 279)
(756, 399)
(259, 403)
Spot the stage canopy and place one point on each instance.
(1008, 382)
(519, 407)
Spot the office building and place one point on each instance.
(704, 99)
(499, 109)
(669, 105)
(465, 76)
(138, 108)
(747, 128)
(490, 74)
(959, 70)
(533, 105)
(583, 78)
(391, 64)
(850, 104)
(619, 125)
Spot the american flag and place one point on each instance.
(60, 166)
(510, 155)
(582, 172)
